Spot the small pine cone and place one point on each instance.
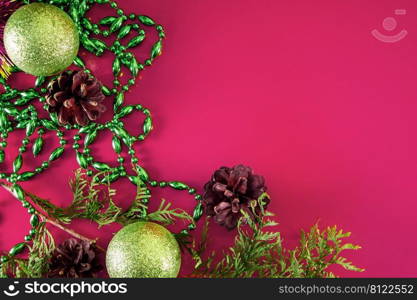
(76, 97)
(229, 191)
(74, 259)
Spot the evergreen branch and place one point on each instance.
(259, 253)
(138, 209)
(37, 263)
(50, 209)
(167, 215)
(51, 220)
(73, 233)
(40, 252)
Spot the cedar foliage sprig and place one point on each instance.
(258, 252)
(37, 262)
(93, 200)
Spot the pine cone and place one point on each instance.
(76, 97)
(74, 259)
(229, 191)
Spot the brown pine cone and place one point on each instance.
(229, 191)
(76, 97)
(74, 259)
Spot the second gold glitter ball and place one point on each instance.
(143, 250)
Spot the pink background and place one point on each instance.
(299, 90)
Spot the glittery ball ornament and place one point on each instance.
(41, 39)
(143, 250)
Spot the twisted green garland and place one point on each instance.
(16, 112)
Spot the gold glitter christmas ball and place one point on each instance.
(143, 250)
(41, 39)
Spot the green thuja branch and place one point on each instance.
(93, 200)
(138, 209)
(50, 209)
(258, 252)
(167, 215)
(40, 253)
(317, 251)
(37, 263)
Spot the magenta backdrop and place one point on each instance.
(299, 90)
